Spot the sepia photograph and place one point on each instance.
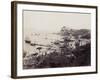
(56, 39)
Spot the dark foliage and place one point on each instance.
(78, 57)
(83, 56)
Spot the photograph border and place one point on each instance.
(14, 37)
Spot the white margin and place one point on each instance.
(21, 72)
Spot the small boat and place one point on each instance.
(27, 41)
(56, 43)
(33, 44)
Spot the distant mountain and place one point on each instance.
(86, 36)
(84, 33)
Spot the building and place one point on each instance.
(73, 43)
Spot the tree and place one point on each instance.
(39, 48)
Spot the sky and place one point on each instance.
(42, 21)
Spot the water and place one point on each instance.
(43, 40)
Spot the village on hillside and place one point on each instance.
(67, 48)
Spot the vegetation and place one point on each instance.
(77, 57)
